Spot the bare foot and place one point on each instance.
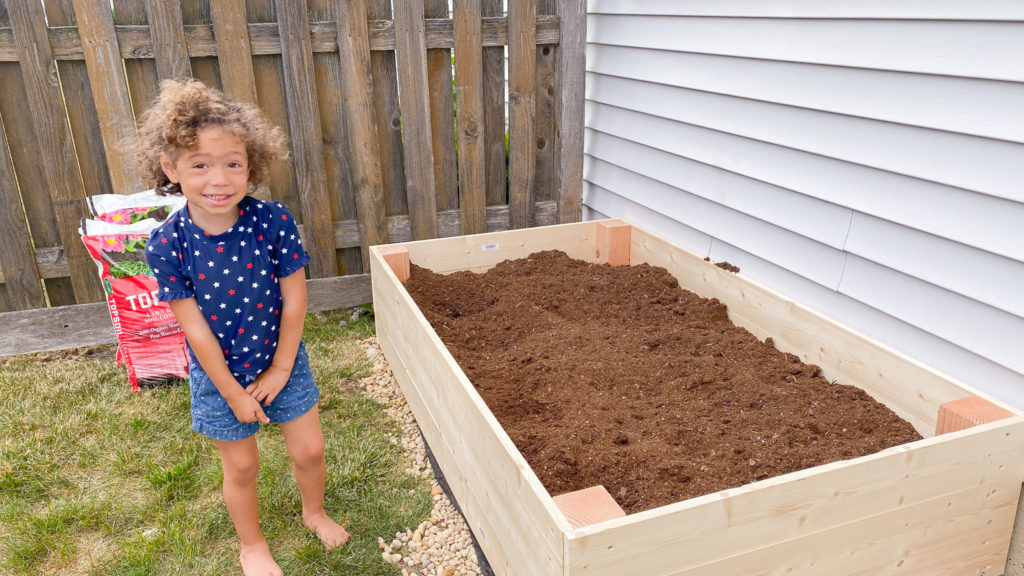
(330, 533)
(257, 561)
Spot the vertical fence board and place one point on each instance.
(168, 32)
(389, 118)
(494, 114)
(569, 88)
(522, 76)
(106, 78)
(544, 180)
(357, 94)
(234, 52)
(141, 72)
(204, 68)
(307, 146)
(410, 50)
(469, 92)
(267, 70)
(335, 137)
(56, 151)
(21, 289)
(442, 115)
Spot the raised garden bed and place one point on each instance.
(941, 505)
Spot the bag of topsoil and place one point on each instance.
(151, 343)
(131, 208)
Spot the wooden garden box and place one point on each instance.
(941, 505)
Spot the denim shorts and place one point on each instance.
(212, 416)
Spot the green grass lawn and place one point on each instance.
(97, 480)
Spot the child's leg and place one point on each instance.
(241, 462)
(305, 443)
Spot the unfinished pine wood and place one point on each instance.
(16, 259)
(384, 70)
(571, 97)
(306, 138)
(234, 52)
(943, 504)
(612, 242)
(362, 147)
(442, 114)
(419, 158)
(515, 522)
(113, 105)
(494, 111)
(967, 412)
(55, 151)
(469, 94)
(397, 258)
(64, 327)
(522, 75)
(588, 506)
(170, 47)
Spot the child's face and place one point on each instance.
(214, 177)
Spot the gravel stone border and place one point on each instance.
(442, 545)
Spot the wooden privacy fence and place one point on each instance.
(395, 113)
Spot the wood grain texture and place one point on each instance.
(170, 47)
(113, 105)
(384, 71)
(89, 324)
(357, 100)
(494, 112)
(55, 149)
(522, 77)
(139, 69)
(472, 137)
(442, 114)
(545, 98)
(234, 51)
(16, 258)
(419, 158)
(306, 137)
(570, 94)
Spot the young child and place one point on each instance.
(231, 269)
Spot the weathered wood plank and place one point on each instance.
(16, 259)
(357, 99)
(55, 149)
(469, 93)
(265, 38)
(494, 112)
(419, 159)
(570, 99)
(442, 114)
(384, 70)
(522, 76)
(107, 81)
(204, 68)
(306, 136)
(170, 47)
(544, 114)
(234, 52)
(64, 327)
(140, 70)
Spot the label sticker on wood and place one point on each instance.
(489, 247)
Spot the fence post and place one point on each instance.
(522, 76)
(569, 120)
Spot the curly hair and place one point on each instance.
(186, 106)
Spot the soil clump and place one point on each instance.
(617, 376)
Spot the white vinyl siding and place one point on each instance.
(863, 158)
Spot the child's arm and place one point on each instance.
(293, 317)
(207, 350)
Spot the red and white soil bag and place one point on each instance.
(150, 342)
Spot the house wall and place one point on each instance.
(863, 158)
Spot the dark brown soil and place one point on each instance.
(617, 376)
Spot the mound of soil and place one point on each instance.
(617, 376)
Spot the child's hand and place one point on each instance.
(267, 385)
(247, 409)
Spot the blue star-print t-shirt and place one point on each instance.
(233, 276)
